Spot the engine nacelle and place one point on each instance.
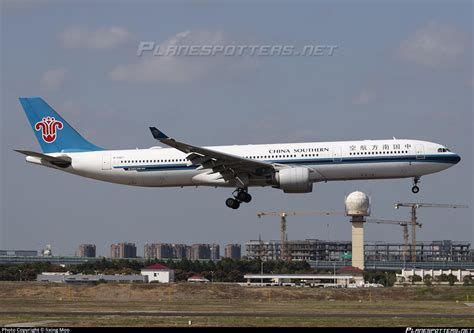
(294, 180)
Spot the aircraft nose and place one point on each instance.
(457, 158)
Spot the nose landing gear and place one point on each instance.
(240, 195)
(415, 189)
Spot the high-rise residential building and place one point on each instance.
(148, 251)
(189, 252)
(123, 250)
(165, 251)
(200, 251)
(232, 251)
(158, 251)
(180, 251)
(215, 251)
(86, 250)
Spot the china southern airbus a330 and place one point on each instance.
(291, 167)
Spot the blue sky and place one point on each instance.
(401, 69)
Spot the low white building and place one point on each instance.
(314, 280)
(434, 273)
(158, 273)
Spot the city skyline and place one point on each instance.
(247, 249)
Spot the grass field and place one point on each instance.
(232, 305)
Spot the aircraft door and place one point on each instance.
(336, 154)
(106, 162)
(420, 152)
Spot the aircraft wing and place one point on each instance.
(231, 167)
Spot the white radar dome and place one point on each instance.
(47, 252)
(357, 204)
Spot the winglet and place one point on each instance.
(157, 134)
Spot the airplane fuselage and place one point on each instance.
(326, 161)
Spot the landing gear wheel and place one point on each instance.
(232, 203)
(243, 196)
(247, 198)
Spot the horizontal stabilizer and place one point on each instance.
(62, 161)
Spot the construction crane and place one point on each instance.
(404, 224)
(283, 215)
(414, 206)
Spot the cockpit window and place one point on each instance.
(443, 150)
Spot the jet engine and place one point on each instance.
(294, 180)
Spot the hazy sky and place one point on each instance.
(400, 70)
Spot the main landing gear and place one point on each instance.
(240, 195)
(415, 189)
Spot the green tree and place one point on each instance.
(387, 279)
(235, 276)
(467, 280)
(452, 279)
(415, 278)
(428, 280)
(442, 278)
(180, 275)
(391, 279)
